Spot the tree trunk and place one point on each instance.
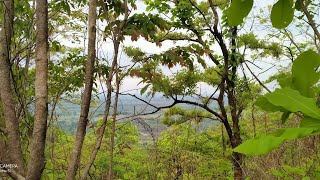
(105, 117)
(37, 157)
(237, 162)
(11, 121)
(113, 126)
(86, 96)
(237, 158)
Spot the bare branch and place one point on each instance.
(259, 81)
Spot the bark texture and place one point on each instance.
(36, 163)
(86, 96)
(7, 97)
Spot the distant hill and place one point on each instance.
(149, 126)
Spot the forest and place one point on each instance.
(160, 89)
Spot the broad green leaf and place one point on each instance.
(264, 104)
(310, 122)
(260, 145)
(266, 143)
(304, 74)
(282, 13)
(238, 10)
(292, 133)
(293, 101)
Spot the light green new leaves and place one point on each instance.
(304, 74)
(293, 101)
(267, 143)
(282, 13)
(238, 10)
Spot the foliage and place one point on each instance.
(289, 101)
(178, 115)
(205, 51)
(282, 13)
(235, 14)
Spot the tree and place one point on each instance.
(36, 163)
(294, 87)
(86, 96)
(7, 97)
(191, 22)
(115, 30)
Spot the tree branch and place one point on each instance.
(309, 17)
(259, 81)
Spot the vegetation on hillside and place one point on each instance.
(250, 67)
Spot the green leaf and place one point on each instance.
(238, 10)
(293, 101)
(292, 133)
(310, 122)
(266, 143)
(143, 90)
(260, 145)
(282, 13)
(298, 4)
(264, 104)
(284, 117)
(304, 74)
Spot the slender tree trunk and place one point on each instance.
(86, 96)
(235, 111)
(237, 158)
(11, 120)
(37, 157)
(223, 141)
(105, 117)
(113, 126)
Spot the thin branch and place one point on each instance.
(253, 64)
(200, 105)
(309, 17)
(259, 81)
(203, 15)
(179, 39)
(291, 39)
(140, 99)
(291, 55)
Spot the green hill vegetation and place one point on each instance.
(159, 89)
